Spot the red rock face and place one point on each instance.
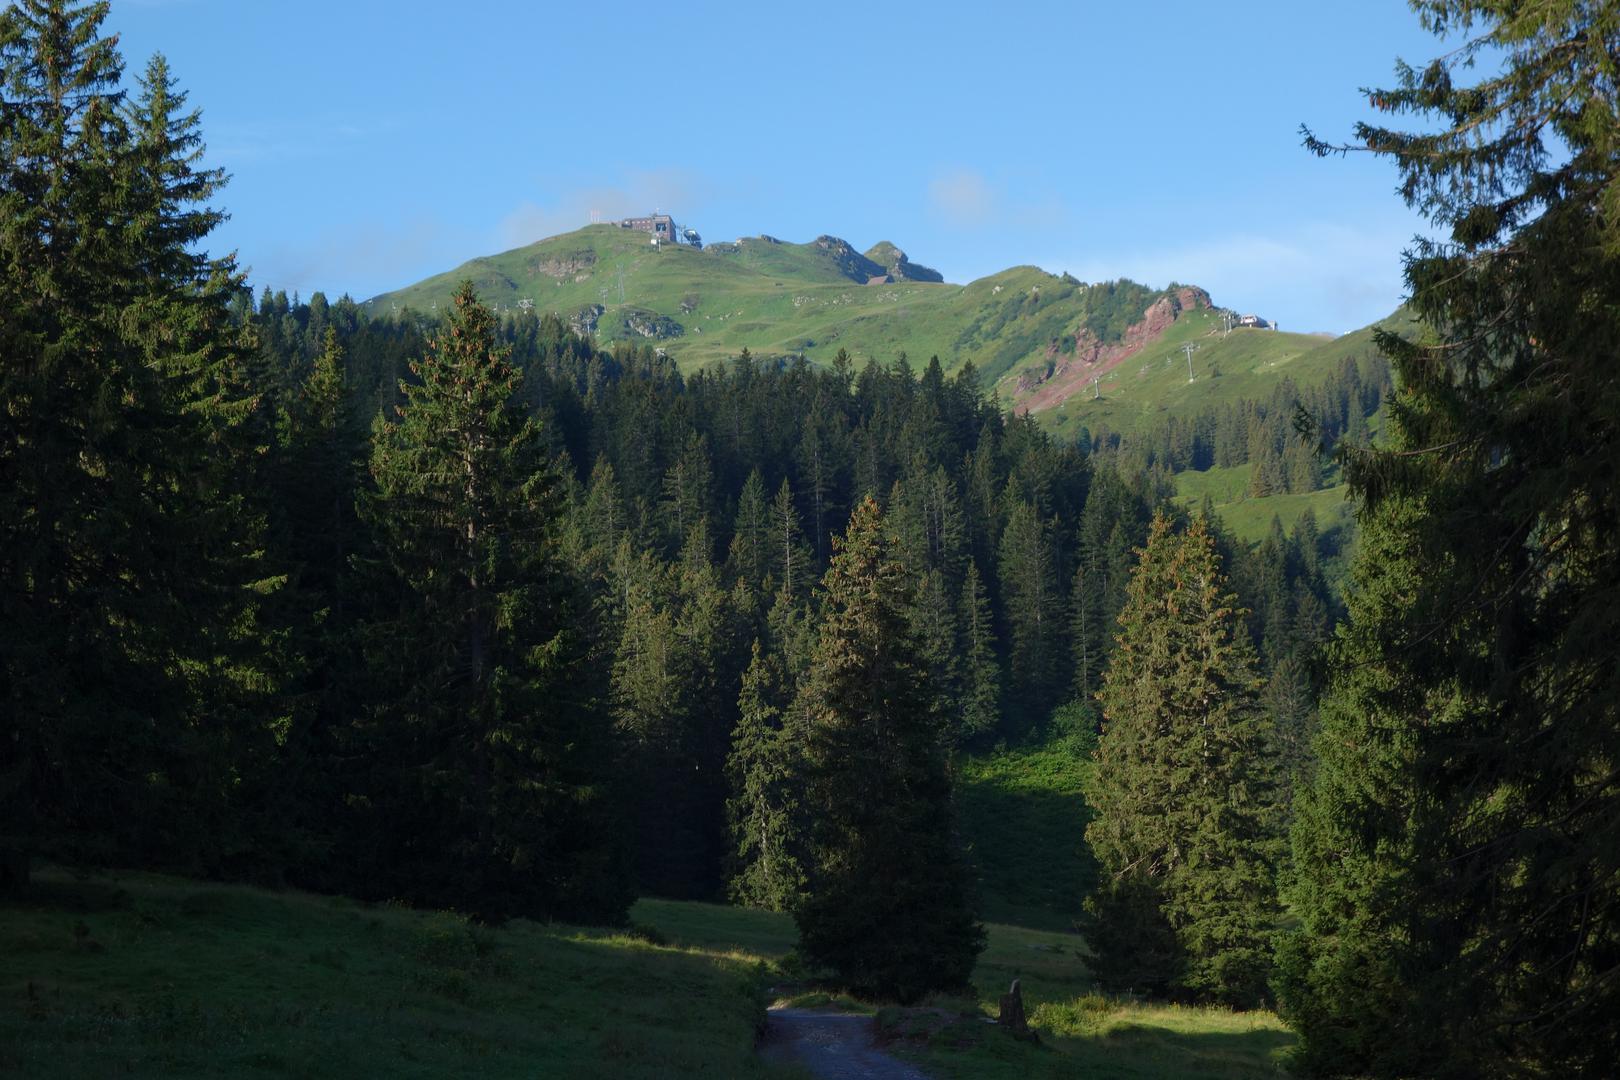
(1093, 359)
(1192, 298)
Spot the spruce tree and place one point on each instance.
(596, 522)
(1086, 640)
(887, 904)
(926, 526)
(498, 763)
(823, 457)
(1185, 832)
(1031, 603)
(751, 547)
(314, 533)
(131, 659)
(1291, 704)
(790, 558)
(764, 812)
(979, 681)
(1111, 523)
(931, 616)
(651, 700)
(1458, 878)
(688, 491)
(714, 627)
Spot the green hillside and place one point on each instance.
(1024, 329)
(1226, 367)
(769, 296)
(1249, 517)
(1075, 355)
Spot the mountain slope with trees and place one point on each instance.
(1020, 329)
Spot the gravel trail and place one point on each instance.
(833, 1045)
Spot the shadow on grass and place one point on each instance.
(1148, 1051)
(152, 976)
(1261, 1041)
(68, 895)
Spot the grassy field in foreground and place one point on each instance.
(152, 976)
(1083, 1033)
(1094, 1036)
(141, 975)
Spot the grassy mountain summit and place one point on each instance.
(1049, 343)
(897, 265)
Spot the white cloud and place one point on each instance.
(963, 198)
(362, 258)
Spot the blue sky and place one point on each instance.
(374, 143)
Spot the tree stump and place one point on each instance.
(1012, 1014)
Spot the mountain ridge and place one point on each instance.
(1048, 343)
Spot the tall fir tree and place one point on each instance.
(823, 457)
(751, 547)
(1086, 638)
(887, 903)
(765, 811)
(496, 799)
(597, 521)
(790, 558)
(651, 699)
(688, 492)
(979, 676)
(314, 477)
(1032, 605)
(130, 655)
(1459, 855)
(1185, 832)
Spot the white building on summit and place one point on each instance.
(662, 228)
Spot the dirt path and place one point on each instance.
(832, 1045)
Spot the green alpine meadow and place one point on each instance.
(635, 652)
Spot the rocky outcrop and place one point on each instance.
(1192, 298)
(583, 322)
(1030, 378)
(1092, 359)
(850, 263)
(575, 265)
(900, 268)
(650, 324)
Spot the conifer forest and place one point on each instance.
(468, 613)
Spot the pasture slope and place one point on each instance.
(146, 975)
